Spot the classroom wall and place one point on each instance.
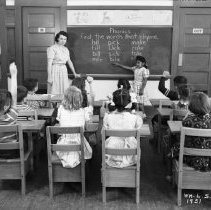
(148, 17)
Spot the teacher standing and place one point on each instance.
(58, 55)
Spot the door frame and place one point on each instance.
(3, 45)
(19, 4)
(178, 6)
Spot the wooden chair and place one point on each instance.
(56, 172)
(27, 114)
(16, 168)
(186, 177)
(121, 177)
(176, 114)
(179, 114)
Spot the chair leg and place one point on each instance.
(83, 188)
(23, 186)
(179, 196)
(50, 182)
(137, 187)
(104, 194)
(137, 195)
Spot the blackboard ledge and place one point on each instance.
(116, 76)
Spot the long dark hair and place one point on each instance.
(80, 83)
(5, 99)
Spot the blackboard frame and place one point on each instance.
(127, 76)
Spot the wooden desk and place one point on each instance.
(45, 112)
(31, 125)
(175, 126)
(98, 103)
(164, 112)
(145, 130)
(95, 118)
(57, 98)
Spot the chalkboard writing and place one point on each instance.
(93, 49)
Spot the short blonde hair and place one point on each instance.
(72, 98)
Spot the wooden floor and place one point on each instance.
(156, 192)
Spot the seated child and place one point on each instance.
(85, 85)
(171, 94)
(71, 114)
(121, 119)
(22, 93)
(88, 98)
(7, 117)
(32, 87)
(200, 117)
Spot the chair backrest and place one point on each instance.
(120, 152)
(50, 130)
(192, 151)
(10, 130)
(28, 113)
(179, 114)
(165, 103)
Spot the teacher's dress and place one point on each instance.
(60, 55)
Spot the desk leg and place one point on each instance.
(159, 133)
(30, 141)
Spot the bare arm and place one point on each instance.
(70, 64)
(50, 63)
(13, 83)
(90, 95)
(122, 66)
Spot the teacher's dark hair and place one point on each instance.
(60, 33)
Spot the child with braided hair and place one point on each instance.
(121, 119)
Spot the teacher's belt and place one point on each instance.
(59, 64)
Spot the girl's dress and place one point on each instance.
(73, 118)
(198, 162)
(60, 55)
(139, 75)
(121, 121)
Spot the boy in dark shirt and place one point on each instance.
(171, 94)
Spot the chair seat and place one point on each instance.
(55, 159)
(185, 166)
(16, 160)
(124, 168)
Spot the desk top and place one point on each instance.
(175, 126)
(95, 118)
(57, 98)
(31, 125)
(145, 130)
(164, 111)
(45, 112)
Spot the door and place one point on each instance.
(40, 25)
(195, 47)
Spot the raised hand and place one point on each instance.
(13, 69)
(166, 74)
(89, 79)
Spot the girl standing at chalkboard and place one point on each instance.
(141, 73)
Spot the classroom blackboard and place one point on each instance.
(93, 49)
